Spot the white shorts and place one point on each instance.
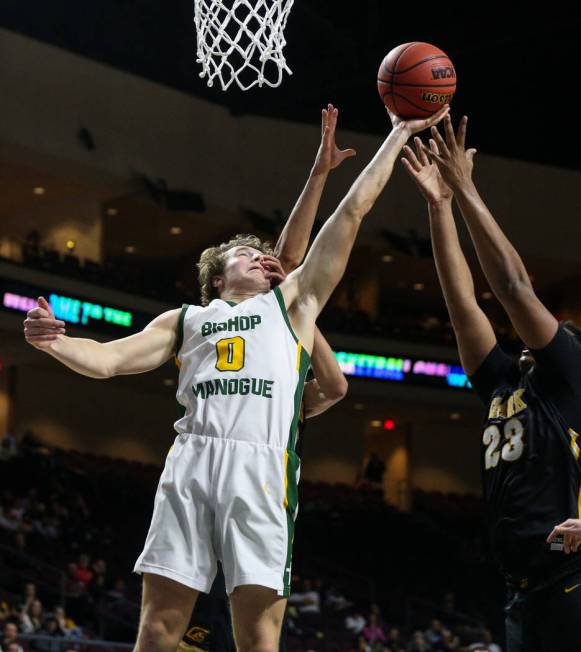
(223, 500)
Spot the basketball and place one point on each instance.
(415, 80)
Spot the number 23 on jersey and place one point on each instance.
(511, 445)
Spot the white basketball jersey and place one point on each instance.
(242, 371)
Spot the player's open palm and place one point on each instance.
(425, 174)
(41, 328)
(454, 161)
(329, 155)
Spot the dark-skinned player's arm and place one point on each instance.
(294, 239)
(308, 288)
(141, 352)
(474, 334)
(501, 264)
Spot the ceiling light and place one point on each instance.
(168, 382)
(487, 295)
(376, 423)
(71, 244)
(387, 258)
(359, 406)
(130, 249)
(176, 230)
(418, 286)
(39, 190)
(112, 212)
(455, 416)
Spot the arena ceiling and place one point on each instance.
(516, 66)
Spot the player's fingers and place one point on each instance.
(439, 115)
(346, 153)
(409, 167)
(43, 303)
(432, 152)
(471, 153)
(412, 158)
(44, 323)
(449, 132)
(440, 142)
(37, 313)
(461, 135)
(552, 535)
(422, 157)
(333, 117)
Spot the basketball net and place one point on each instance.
(242, 41)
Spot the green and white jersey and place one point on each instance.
(242, 371)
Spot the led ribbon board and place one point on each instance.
(78, 311)
(404, 370)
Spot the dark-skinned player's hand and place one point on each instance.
(272, 270)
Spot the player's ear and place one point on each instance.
(217, 283)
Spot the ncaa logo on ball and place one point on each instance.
(444, 73)
(436, 98)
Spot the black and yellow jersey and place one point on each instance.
(531, 463)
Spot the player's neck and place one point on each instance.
(238, 297)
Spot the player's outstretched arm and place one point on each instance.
(500, 261)
(135, 354)
(294, 239)
(474, 333)
(329, 385)
(325, 263)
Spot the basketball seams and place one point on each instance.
(399, 56)
(453, 86)
(410, 97)
(419, 63)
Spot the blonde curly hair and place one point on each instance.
(212, 262)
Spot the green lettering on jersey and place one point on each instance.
(267, 390)
(244, 386)
(199, 390)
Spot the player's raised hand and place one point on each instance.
(426, 174)
(454, 161)
(273, 270)
(329, 155)
(416, 125)
(41, 328)
(571, 532)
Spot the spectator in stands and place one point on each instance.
(478, 647)
(67, 625)
(50, 628)
(28, 597)
(13, 647)
(308, 601)
(373, 631)
(355, 622)
(83, 572)
(434, 633)
(9, 635)
(32, 617)
(373, 469)
(450, 642)
(394, 640)
(336, 600)
(418, 643)
(360, 645)
(119, 590)
(74, 587)
(487, 639)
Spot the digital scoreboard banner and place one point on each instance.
(411, 371)
(76, 310)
